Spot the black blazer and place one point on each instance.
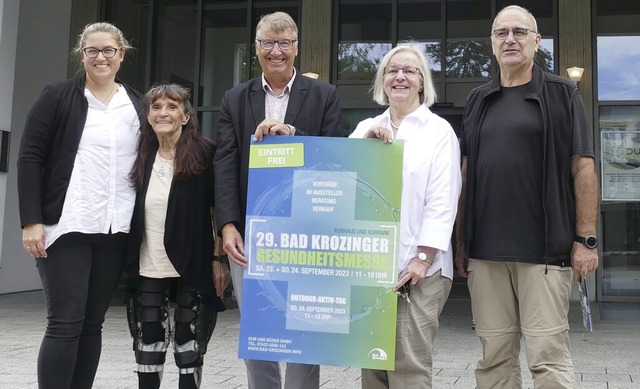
(313, 109)
(48, 148)
(188, 236)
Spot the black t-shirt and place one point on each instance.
(509, 214)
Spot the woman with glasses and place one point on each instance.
(77, 149)
(430, 188)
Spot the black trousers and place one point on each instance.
(79, 277)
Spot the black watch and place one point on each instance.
(590, 241)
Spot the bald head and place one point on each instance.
(517, 8)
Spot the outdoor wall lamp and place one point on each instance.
(575, 74)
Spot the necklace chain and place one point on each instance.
(161, 171)
(113, 88)
(393, 125)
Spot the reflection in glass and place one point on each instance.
(544, 56)
(468, 47)
(621, 220)
(621, 249)
(432, 53)
(618, 68)
(421, 21)
(364, 36)
(359, 61)
(468, 58)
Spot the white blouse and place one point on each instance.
(431, 184)
(100, 198)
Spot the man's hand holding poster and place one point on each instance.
(321, 238)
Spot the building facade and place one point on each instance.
(207, 45)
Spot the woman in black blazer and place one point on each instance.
(78, 146)
(171, 242)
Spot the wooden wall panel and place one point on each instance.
(576, 45)
(315, 34)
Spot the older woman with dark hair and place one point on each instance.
(171, 245)
(77, 149)
(430, 188)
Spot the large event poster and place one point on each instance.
(322, 238)
(620, 165)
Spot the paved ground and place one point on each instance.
(607, 359)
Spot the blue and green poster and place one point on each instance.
(322, 237)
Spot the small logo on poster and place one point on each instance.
(378, 354)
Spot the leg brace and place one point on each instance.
(195, 321)
(148, 317)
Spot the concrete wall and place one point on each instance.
(8, 34)
(34, 43)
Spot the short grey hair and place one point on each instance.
(428, 94)
(278, 22)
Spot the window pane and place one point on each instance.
(617, 17)
(468, 58)
(618, 68)
(432, 53)
(617, 7)
(621, 249)
(225, 31)
(544, 56)
(620, 220)
(421, 21)
(131, 17)
(468, 52)
(359, 61)
(539, 8)
(364, 37)
(351, 117)
(209, 123)
(176, 42)
(620, 145)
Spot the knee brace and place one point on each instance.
(195, 321)
(149, 324)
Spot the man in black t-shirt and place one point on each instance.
(528, 210)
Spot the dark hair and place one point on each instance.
(192, 149)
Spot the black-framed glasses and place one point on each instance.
(107, 52)
(283, 44)
(518, 32)
(408, 71)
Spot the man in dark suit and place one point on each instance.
(280, 102)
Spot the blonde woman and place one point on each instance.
(78, 146)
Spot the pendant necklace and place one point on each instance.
(113, 88)
(161, 171)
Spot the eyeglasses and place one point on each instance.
(408, 71)
(107, 52)
(283, 44)
(518, 32)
